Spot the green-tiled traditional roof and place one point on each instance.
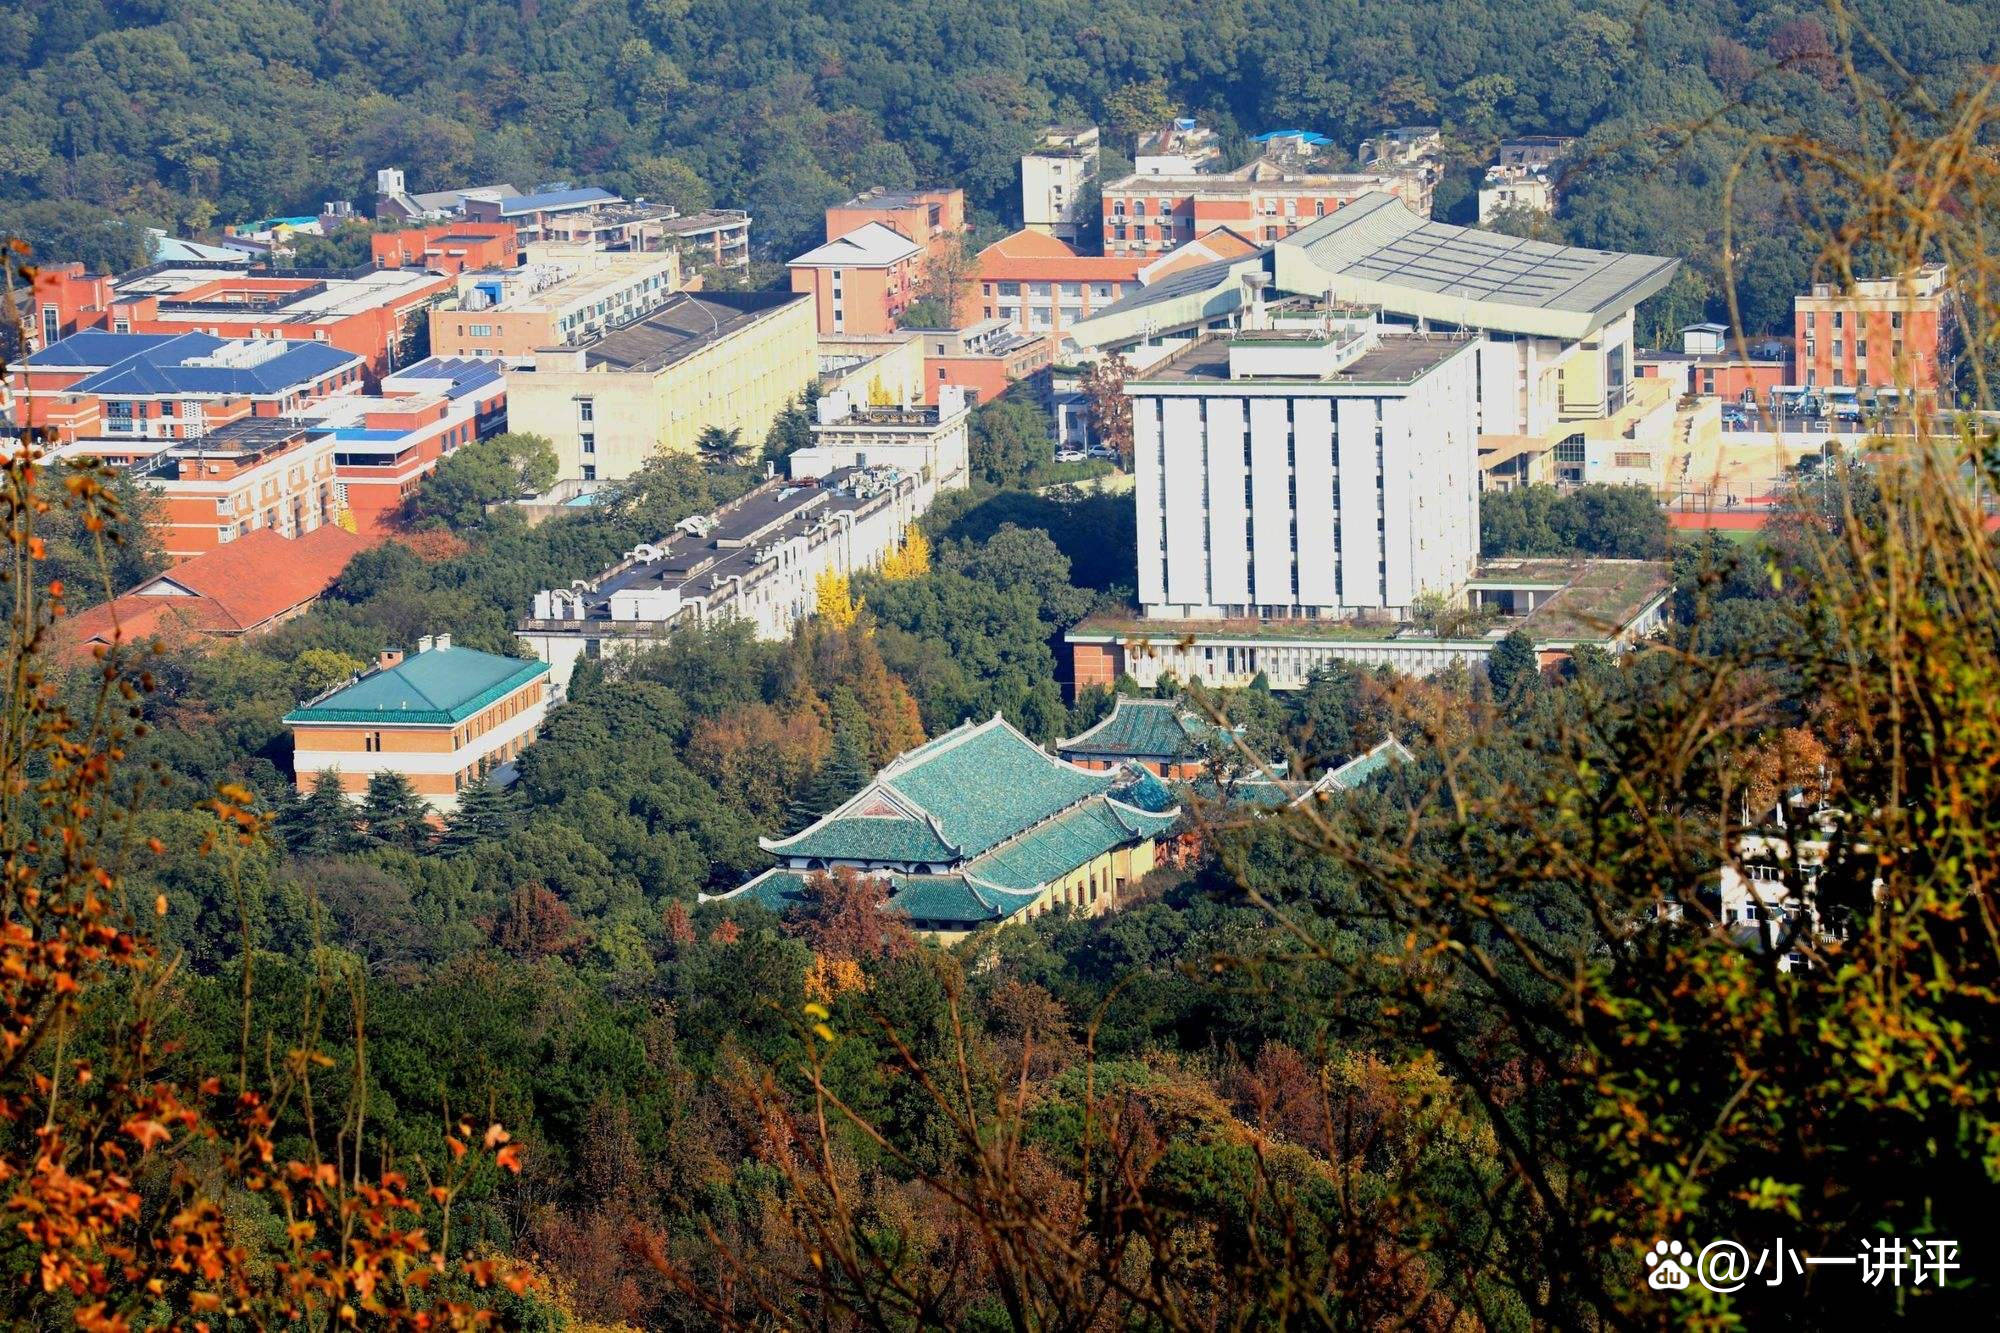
(1141, 789)
(979, 784)
(945, 900)
(991, 784)
(1146, 729)
(1062, 844)
(441, 686)
(1363, 769)
(870, 838)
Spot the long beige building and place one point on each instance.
(727, 359)
(564, 296)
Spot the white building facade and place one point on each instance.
(1288, 476)
(928, 443)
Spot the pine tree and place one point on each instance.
(323, 823)
(395, 815)
(485, 813)
(1513, 665)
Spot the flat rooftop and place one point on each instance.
(1593, 600)
(683, 326)
(1396, 358)
(1597, 597)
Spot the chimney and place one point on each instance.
(425, 644)
(388, 657)
(443, 642)
(1255, 316)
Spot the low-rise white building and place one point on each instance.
(758, 559)
(929, 443)
(1052, 181)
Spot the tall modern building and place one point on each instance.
(1321, 471)
(1555, 357)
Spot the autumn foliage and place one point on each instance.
(128, 1198)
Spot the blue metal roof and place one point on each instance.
(530, 203)
(1310, 138)
(160, 369)
(95, 347)
(464, 373)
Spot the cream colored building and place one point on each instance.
(876, 368)
(727, 359)
(1053, 177)
(564, 296)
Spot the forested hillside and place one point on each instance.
(192, 112)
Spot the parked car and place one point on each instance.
(1070, 455)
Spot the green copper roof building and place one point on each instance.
(442, 686)
(443, 718)
(1163, 734)
(981, 825)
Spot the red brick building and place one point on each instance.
(449, 248)
(158, 386)
(1885, 333)
(372, 314)
(934, 219)
(861, 282)
(1150, 215)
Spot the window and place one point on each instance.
(479, 330)
(1632, 460)
(1836, 319)
(1570, 450)
(1010, 289)
(589, 472)
(1895, 319)
(586, 409)
(51, 325)
(1860, 347)
(589, 443)
(372, 742)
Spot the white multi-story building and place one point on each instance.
(929, 443)
(1052, 181)
(1306, 473)
(1555, 355)
(758, 560)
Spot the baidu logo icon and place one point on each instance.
(1669, 1262)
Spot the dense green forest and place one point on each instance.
(190, 114)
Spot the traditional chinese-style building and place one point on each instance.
(981, 825)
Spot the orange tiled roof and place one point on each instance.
(1216, 244)
(235, 589)
(1033, 256)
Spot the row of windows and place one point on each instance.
(493, 717)
(1812, 319)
